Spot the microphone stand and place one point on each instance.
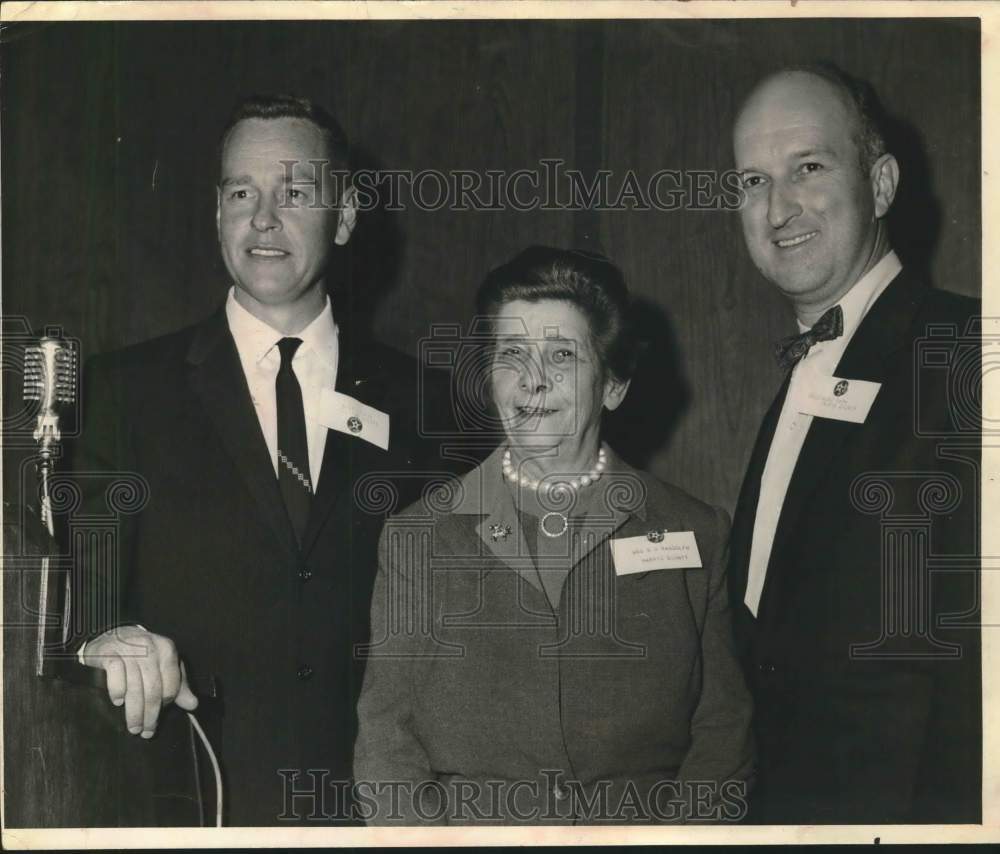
(50, 371)
(50, 377)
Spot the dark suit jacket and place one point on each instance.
(867, 693)
(211, 561)
(473, 677)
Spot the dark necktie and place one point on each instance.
(293, 449)
(789, 351)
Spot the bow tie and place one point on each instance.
(789, 351)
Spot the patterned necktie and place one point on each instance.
(293, 449)
(789, 351)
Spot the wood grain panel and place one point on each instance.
(109, 137)
(672, 89)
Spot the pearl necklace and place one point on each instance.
(574, 482)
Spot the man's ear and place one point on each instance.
(614, 393)
(348, 216)
(885, 179)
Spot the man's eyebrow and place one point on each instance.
(813, 151)
(237, 179)
(800, 154)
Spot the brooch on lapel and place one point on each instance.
(655, 536)
(499, 532)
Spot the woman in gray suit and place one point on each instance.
(550, 636)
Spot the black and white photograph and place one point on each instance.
(548, 420)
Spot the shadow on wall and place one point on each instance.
(366, 270)
(915, 216)
(658, 396)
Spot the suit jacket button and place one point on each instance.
(305, 573)
(559, 792)
(305, 672)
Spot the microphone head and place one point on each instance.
(50, 369)
(34, 372)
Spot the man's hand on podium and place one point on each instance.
(144, 673)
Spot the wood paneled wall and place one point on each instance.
(108, 168)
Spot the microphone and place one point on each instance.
(50, 380)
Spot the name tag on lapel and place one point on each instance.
(827, 396)
(342, 412)
(655, 550)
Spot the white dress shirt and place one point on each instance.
(792, 427)
(314, 364)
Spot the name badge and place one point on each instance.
(342, 412)
(835, 397)
(655, 550)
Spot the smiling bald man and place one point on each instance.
(864, 660)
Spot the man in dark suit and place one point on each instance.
(854, 554)
(268, 436)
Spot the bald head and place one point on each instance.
(828, 85)
(813, 214)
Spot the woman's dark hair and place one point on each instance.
(590, 282)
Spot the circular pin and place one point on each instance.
(559, 516)
(655, 536)
(840, 389)
(354, 424)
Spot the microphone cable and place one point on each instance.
(215, 766)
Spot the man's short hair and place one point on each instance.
(869, 134)
(291, 107)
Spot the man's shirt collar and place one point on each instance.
(860, 298)
(255, 339)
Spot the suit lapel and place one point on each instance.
(487, 506)
(344, 456)
(486, 517)
(882, 332)
(216, 377)
(512, 549)
(602, 521)
(741, 538)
